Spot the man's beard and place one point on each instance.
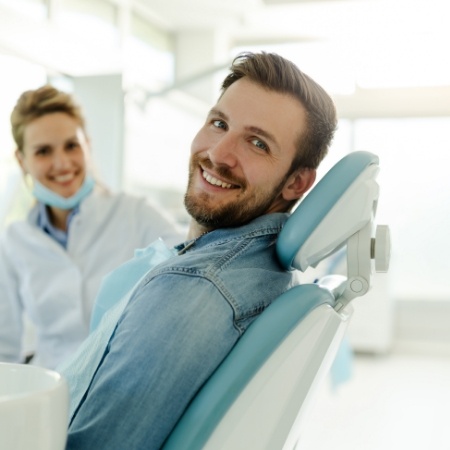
(237, 212)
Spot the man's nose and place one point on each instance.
(224, 151)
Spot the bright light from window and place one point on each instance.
(331, 64)
(103, 33)
(370, 44)
(414, 200)
(35, 9)
(147, 67)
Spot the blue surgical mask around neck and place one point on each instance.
(51, 198)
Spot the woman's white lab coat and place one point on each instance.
(56, 287)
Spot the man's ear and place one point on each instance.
(298, 183)
(21, 160)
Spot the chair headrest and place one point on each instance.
(341, 203)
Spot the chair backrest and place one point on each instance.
(256, 398)
(34, 408)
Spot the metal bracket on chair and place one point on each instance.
(355, 287)
(362, 249)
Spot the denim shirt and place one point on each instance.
(182, 320)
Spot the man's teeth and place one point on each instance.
(215, 181)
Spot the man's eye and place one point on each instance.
(220, 124)
(260, 144)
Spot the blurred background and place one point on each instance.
(147, 71)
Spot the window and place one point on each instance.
(93, 19)
(414, 200)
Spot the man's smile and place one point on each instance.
(213, 180)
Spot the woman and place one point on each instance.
(51, 265)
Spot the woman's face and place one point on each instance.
(55, 153)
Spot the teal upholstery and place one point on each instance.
(314, 207)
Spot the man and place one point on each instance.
(254, 157)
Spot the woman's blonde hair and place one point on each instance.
(37, 103)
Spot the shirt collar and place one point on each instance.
(263, 225)
(44, 223)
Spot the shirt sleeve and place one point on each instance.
(173, 334)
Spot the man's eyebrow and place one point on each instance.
(253, 129)
(216, 112)
(263, 133)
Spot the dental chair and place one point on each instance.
(257, 397)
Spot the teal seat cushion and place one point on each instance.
(249, 354)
